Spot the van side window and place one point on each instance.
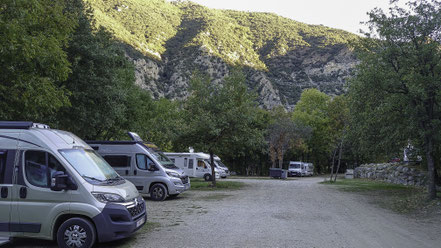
(190, 163)
(54, 166)
(201, 164)
(142, 161)
(118, 161)
(36, 168)
(2, 166)
(40, 166)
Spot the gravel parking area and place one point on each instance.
(282, 213)
(278, 213)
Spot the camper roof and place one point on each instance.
(21, 125)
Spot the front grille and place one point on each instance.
(184, 179)
(137, 209)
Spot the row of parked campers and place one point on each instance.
(197, 164)
(300, 169)
(55, 186)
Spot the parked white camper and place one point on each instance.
(296, 168)
(308, 169)
(194, 164)
(222, 166)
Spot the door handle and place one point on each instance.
(4, 192)
(23, 192)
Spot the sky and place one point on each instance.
(341, 14)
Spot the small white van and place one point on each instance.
(54, 186)
(195, 164)
(144, 165)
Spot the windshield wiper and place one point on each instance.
(92, 178)
(115, 179)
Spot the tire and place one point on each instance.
(158, 192)
(207, 177)
(76, 232)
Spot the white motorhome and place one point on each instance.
(222, 166)
(54, 186)
(195, 164)
(296, 168)
(308, 169)
(300, 169)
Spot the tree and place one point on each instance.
(102, 83)
(312, 110)
(338, 114)
(397, 89)
(219, 117)
(33, 34)
(284, 134)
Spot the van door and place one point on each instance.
(144, 177)
(37, 205)
(202, 168)
(191, 171)
(7, 159)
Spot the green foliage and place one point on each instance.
(102, 84)
(396, 94)
(33, 34)
(284, 134)
(154, 27)
(219, 116)
(159, 121)
(312, 110)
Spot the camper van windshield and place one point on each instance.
(91, 166)
(164, 160)
(294, 166)
(220, 163)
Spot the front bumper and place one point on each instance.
(179, 186)
(118, 221)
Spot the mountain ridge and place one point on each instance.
(167, 41)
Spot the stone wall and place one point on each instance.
(392, 173)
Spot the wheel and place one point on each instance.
(173, 196)
(76, 232)
(158, 192)
(207, 177)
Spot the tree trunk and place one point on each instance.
(339, 159)
(333, 161)
(213, 173)
(281, 160)
(431, 187)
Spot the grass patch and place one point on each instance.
(399, 198)
(200, 184)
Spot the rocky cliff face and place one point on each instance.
(168, 40)
(326, 69)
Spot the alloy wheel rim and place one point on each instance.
(75, 236)
(157, 192)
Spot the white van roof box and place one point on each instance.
(21, 125)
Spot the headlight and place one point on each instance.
(173, 174)
(107, 197)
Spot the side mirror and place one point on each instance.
(151, 167)
(61, 181)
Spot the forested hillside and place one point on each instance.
(168, 41)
